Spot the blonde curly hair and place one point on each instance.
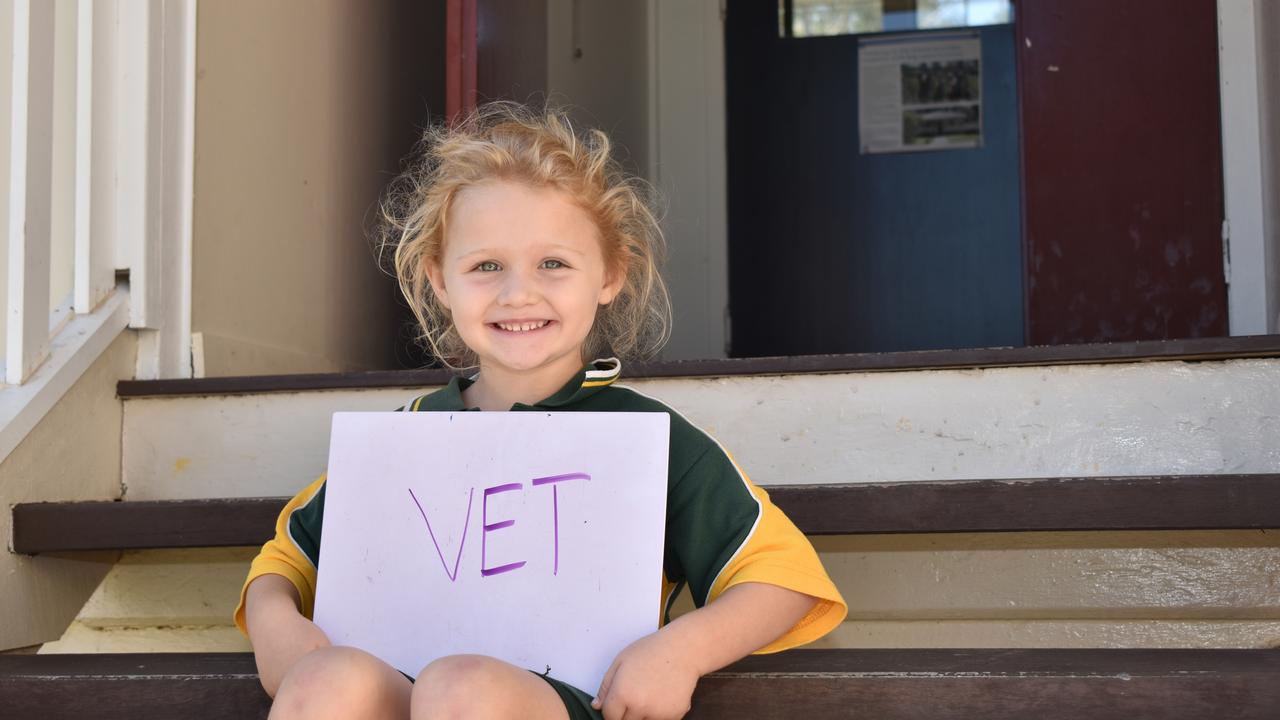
(538, 146)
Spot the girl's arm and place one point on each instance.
(280, 634)
(654, 677)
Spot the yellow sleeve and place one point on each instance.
(779, 554)
(281, 555)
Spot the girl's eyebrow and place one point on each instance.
(473, 253)
(564, 249)
(552, 249)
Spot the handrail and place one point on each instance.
(71, 351)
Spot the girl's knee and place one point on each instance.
(339, 682)
(452, 685)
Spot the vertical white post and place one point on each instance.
(161, 274)
(135, 216)
(155, 98)
(1242, 167)
(173, 346)
(62, 194)
(30, 182)
(96, 143)
(6, 116)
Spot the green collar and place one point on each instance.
(597, 374)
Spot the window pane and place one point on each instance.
(817, 18)
(812, 18)
(990, 12)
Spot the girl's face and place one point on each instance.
(522, 272)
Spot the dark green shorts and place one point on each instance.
(576, 702)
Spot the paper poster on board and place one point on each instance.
(920, 92)
(533, 537)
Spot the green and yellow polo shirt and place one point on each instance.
(721, 530)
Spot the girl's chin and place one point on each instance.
(529, 361)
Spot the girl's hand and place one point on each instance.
(655, 676)
(649, 679)
(281, 636)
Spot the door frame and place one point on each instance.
(1252, 301)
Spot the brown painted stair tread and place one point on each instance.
(1189, 349)
(817, 684)
(1173, 502)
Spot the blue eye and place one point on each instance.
(488, 266)
(552, 264)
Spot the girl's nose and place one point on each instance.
(519, 289)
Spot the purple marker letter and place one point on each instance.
(453, 576)
(555, 509)
(486, 571)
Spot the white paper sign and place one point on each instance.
(920, 92)
(532, 537)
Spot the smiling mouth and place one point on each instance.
(519, 327)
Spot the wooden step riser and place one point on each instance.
(1209, 589)
(1096, 420)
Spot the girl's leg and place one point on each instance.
(342, 682)
(479, 687)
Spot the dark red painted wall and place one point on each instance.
(1122, 170)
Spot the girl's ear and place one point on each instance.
(612, 285)
(435, 276)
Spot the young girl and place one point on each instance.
(524, 250)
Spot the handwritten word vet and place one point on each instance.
(488, 527)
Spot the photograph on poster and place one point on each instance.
(952, 125)
(935, 82)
